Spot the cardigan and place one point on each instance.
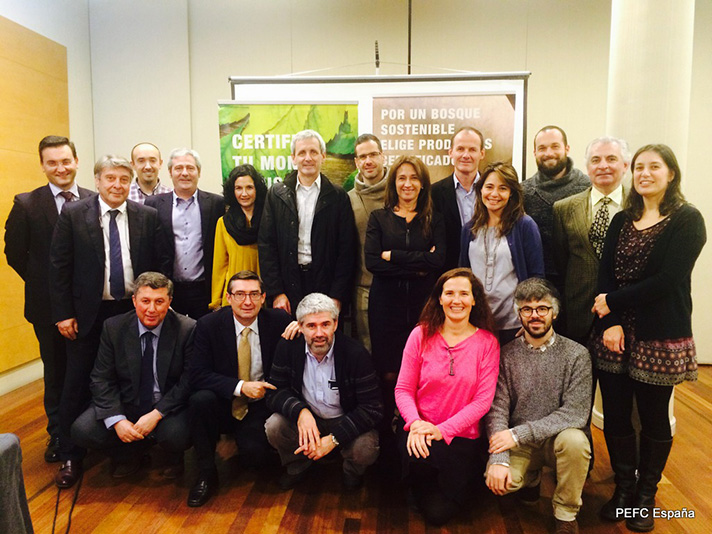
(359, 392)
(662, 299)
(454, 402)
(524, 244)
(229, 258)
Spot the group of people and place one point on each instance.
(168, 309)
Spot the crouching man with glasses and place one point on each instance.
(540, 407)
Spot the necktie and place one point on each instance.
(116, 265)
(597, 232)
(146, 384)
(67, 196)
(244, 362)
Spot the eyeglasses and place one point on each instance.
(541, 311)
(364, 157)
(239, 296)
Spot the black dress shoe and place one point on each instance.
(68, 474)
(51, 454)
(288, 481)
(125, 468)
(202, 490)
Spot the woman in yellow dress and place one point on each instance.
(236, 232)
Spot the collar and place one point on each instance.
(104, 207)
(142, 329)
(239, 327)
(316, 183)
(616, 196)
(176, 197)
(542, 348)
(153, 191)
(358, 182)
(74, 190)
(328, 356)
(458, 184)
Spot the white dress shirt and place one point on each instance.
(122, 223)
(306, 206)
(256, 371)
(59, 200)
(614, 206)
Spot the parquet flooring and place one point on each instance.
(250, 502)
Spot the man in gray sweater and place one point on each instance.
(540, 408)
(367, 195)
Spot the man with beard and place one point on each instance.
(326, 397)
(556, 179)
(146, 161)
(367, 195)
(541, 405)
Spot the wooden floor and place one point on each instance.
(250, 502)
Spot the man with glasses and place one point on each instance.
(541, 405)
(232, 356)
(367, 195)
(454, 196)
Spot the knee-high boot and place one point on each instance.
(653, 457)
(624, 461)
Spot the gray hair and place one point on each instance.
(109, 162)
(621, 143)
(153, 280)
(178, 152)
(308, 134)
(536, 289)
(316, 303)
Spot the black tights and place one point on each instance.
(618, 391)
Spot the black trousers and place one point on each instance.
(81, 354)
(172, 433)
(191, 298)
(211, 416)
(53, 351)
(617, 393)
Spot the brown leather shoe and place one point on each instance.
(68, 474)
(566, 527)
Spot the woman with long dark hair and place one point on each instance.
(445, 387)
(501, 244)
(644, 345)
(405, 250)
(236, 233)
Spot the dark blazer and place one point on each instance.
(359, 392)
(212, 207)
(116, 378)
(334, 249)
(77, 259)
(576, 260)
(445, 203)
(662, 298)
(214, 364)
(28, 235)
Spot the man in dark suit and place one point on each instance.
(99, 243)
(233, 355)
(454, 196)
(307, 238)
(327, 397)
(577, 244)
(140, 384)
(28, 234)
(188, 218)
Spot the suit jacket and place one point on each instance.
(214, 364)
(212, 207)
(576, 260)
(359, 392)
(445, 203)
(77, 259)
(334, 248)
(28, 234)
(116, 377)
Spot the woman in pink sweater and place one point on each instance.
(445, 387)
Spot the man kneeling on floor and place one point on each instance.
(541, 404)
(139, 384)
(327, 397)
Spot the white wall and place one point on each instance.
(66, 22)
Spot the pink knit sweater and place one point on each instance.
(455, 404)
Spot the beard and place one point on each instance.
(536, 334)
(552, 171)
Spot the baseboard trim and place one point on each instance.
(20, 376)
